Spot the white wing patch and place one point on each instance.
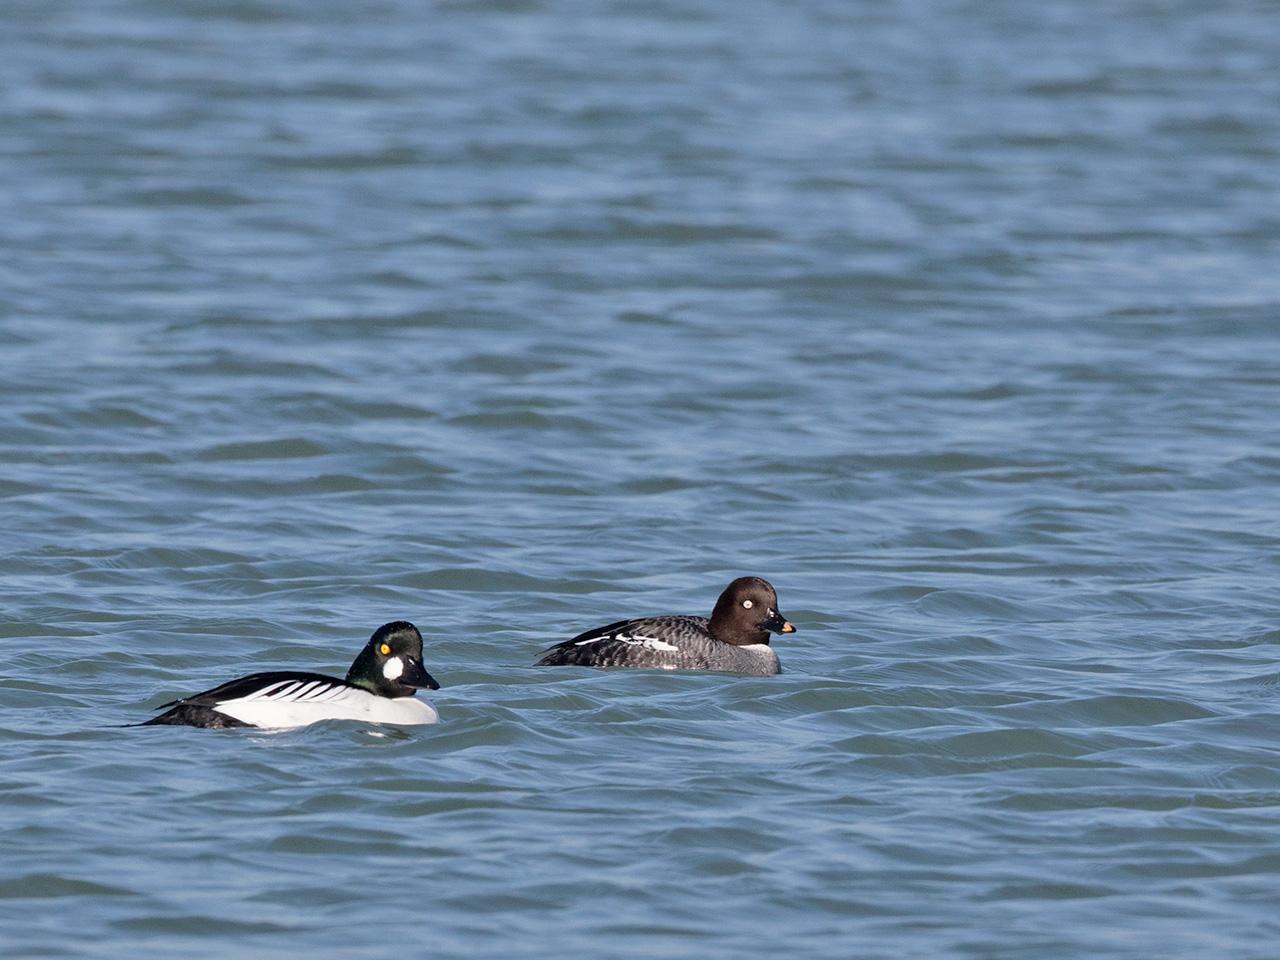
(649, 643)
(296, 703)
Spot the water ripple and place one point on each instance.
(513, 321)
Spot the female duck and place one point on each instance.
(735, 639)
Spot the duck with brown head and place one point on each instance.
(734, 639)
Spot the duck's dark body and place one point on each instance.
(195, 715)
(663, 643)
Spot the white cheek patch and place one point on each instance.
(393, 668)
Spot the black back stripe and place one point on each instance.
(321, 691)
(283, 692)
(270, 692)
(314, 691)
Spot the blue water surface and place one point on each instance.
(960, 322)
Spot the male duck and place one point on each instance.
(379, 688)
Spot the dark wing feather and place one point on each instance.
(244, 686)
(580, 650)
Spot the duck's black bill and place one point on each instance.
(778, 623)
(415, 675)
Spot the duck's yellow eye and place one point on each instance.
(384, 649)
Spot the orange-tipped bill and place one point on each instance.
(777, 623)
